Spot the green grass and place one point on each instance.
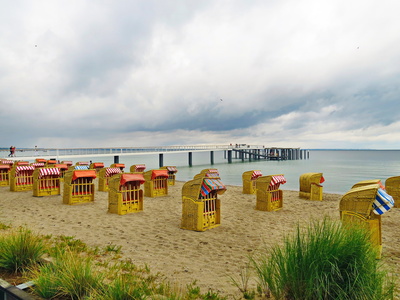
(324, 261)
(20, 249)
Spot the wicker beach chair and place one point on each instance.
(156, 184)
(104, 176)
(368, 182)
(79, 186)
(364, 206)
(50, 163)
(137, 168)
(310, 186)
(201, 208)
(214, 173)
(125, 194)
(96, 166)
(249, 179)
(21, 177)
(46, 182)
(269, 196)
(63, 168)
(118, 165)
(172, 170)
(392, 185)
(5, 174)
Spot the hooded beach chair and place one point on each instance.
(125, 194)
(268, 196)
(364, 206)
(171, 174)
(118, 165)
(5, 174)
(201, 207)
(46, 182)
(63, 168)
(214, 173)
(249, 181)
(392, 185)
(79, 186)
(368, 182)
(96, 166)
(50, 163)
(21, 177)
(104, 177)
(310, 186)
(137, 168)
(156, 184)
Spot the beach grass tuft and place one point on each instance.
(20, 249)
(324, 261)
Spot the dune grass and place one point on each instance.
(324, 261)
(20, 249)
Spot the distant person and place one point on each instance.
(11, 149)
(36, 151)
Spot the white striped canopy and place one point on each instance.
(48, 171)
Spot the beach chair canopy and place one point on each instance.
(40, 160)
(172, 169)
(83, 167)
(140, 168)
(368, 182)
(20, 169)
(51, 161)
(278, 179)
(383, 202)
(210, 172)
(112, 171)
(83, 174)
(67, 162)
(82, 163)
(256, 174)
(159, 173)
(48, 171)
(22, 163)
(98, 165)
(128, 177)
(61, 166)
(118, 165)
(38, 164)
(212, 184)
(7, 162)
(5, 167)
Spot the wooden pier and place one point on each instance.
(244, 152)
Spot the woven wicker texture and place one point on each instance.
(392, 185)
(305, 182)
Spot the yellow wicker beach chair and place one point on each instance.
(310, 186)
(79, 186)
(67, 162)
(50, 163)
(249, 179)
(201, 208)
(41, 160)
(96, 166)
(125, 194)
(46, 182)
(104, 177)
(21, 178)
(5, 175)
(156, 184)
(269, 196)
(82, 163)
(207, 173)
(367, 182)
(362, 205)
(63, 168)
(392, 185)
(137, 168)
(171, 174)
(117, 165)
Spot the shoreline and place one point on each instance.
(153, 237)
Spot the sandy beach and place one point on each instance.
(154, 237)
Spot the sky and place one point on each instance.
(279, 73)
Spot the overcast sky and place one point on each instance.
(279, 73)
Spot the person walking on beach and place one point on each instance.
(12, 152)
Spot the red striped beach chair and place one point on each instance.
(268, 196)
(21, 178)
(172, 170)
(310, 186)
(249, 179)
(137, 168)
(46, 182)
(125, 193)
(104, 177)
(5, 174)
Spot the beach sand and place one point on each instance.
(153, 237)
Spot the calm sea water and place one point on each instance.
(341, 168)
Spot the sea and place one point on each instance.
(341, 168)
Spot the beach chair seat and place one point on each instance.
(249, 180)
(201, 207)
(125, 193)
